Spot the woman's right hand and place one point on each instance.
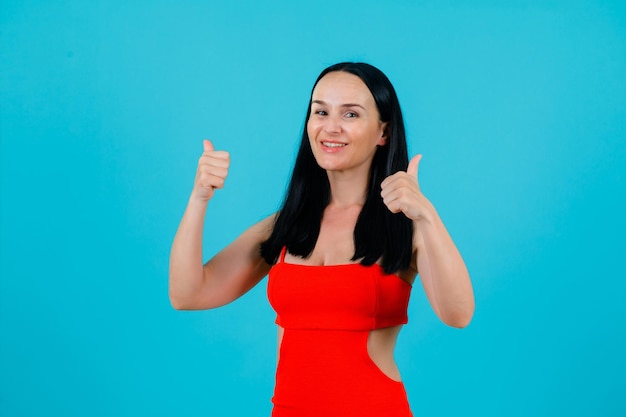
(212, 171)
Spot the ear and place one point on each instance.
(384, 135)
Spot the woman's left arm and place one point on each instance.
(441, 268)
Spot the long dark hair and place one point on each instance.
(378, 232)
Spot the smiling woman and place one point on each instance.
(344, 128)
(342, 253)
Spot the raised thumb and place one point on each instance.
(413, 165)
(208, 146)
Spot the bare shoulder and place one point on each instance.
(243, 254)
(252, 238)
(410, 274)
(262, 229)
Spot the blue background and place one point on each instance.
(519, 110)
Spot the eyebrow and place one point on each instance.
(323, 103)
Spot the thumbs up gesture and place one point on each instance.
(212, 171)
(401, 193)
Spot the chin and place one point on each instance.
(330, 166)
(327, 165)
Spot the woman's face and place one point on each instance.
(344, 127)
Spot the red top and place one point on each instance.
(337, 297)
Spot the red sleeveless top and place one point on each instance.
(337, 297)
(327, 313)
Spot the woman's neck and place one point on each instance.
(347, 188)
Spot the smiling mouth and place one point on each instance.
(333, 144)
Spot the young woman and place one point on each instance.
(342, 253)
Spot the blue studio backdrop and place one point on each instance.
(518, 107)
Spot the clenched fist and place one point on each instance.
(212, 171)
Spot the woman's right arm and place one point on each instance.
(230, 273)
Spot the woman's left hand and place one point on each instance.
(401, 193)
(440, 265)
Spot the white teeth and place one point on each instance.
(333, 145)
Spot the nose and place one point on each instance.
(332, 124)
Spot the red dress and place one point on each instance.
(327, 312)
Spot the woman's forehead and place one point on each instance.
(341, 88)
